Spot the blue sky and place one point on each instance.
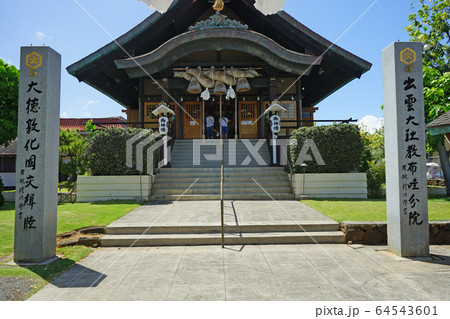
(62, 25)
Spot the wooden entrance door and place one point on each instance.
(192, 125)
(248, 114)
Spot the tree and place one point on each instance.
(430, 24)
(71, 146)
(374, 161)
(9, 97)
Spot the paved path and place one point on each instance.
(282, 272)
(208, 213)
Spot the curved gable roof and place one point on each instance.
(99, 69)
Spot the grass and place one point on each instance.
(70, 217)
(372, 209)
(41, 275)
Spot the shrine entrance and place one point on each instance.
(192, 120)
(248, 114)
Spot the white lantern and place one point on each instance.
(163, 125)
(275, 124)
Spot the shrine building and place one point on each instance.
(193, 51)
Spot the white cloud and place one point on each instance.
(42, 36)
(89, 103)
(7, 61)
(64, 114)
(370, 123)
(85, 114)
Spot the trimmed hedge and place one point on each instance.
(340, 146)
(105, 153)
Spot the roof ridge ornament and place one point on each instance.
(218, 20)
(218, 5)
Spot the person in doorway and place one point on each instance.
(224, 123)
(210, 126)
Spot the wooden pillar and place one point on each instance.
(272, 93)
(165, 93)
(262, 121)
(180, 118)
(141, 103)
(299, 103)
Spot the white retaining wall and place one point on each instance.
(9, 179)
(9, 196)
(345, 185)
(100, 188)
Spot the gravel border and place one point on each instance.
(15, 288)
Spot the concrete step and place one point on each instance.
(227, 185)
(211, 165)
(225, 141)
(212, 148)
(227, 174)
(208, 229)
(206, 190)
(215, 180)
(179, 156)
(227, 169)
(230, 239)
(227, 196)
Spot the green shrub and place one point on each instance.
(340, 145)
(105, 152)
(2, 199)
(376, 178)
(374, 162)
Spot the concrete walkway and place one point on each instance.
(275, 272)
(239, 212)
(248, 272)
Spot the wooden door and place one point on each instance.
(192, 124)
(248, 114)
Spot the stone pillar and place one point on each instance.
(37, 155)
(404, 123)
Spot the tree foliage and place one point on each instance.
(9, 97)
(375, 160)
(71, 147)
(430, 24)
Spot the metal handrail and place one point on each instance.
(222, 205)
(157, 158)
(288, 160)
(268, 135)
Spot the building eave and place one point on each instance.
(219, 39)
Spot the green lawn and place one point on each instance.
(371, 209)
(70, 217)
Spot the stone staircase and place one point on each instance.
(186, 180)
(304, 233)
(236, 154)
(247, 221)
